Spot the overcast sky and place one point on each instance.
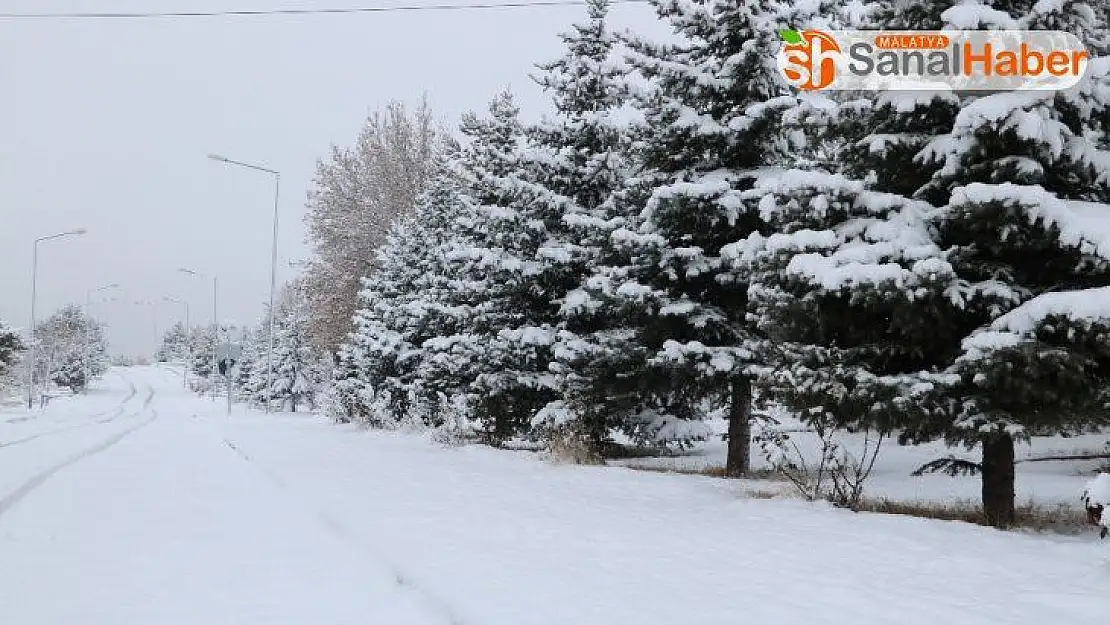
(105, 125)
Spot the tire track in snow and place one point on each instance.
(116, 412)
(94, 415)
(340, 532)
(13, 498)
(119, 409)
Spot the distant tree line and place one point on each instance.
(297, 371)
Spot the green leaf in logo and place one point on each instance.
(790, 35)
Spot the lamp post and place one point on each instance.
(215, 320)
(189, 358)
(273, 264)
(34, 292)
(88, 327)
(154, 323)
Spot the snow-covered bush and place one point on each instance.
(459, 426)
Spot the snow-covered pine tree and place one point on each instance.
(379, 350)
(295, 368)
(498, 353)
(1024, 179)
(680, 337)
(364, 377)
(848, 292)
(11, 346)
(850, 297)
(255, 341)
(175, 345)
(202, 345)
(581, 157)
(408, 299)
(61, 351)
(881, 275)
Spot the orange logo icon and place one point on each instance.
(808, 58)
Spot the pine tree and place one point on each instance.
(293, 376)
(252, 359)
(850, 295)
(405, 301)
(62, 354)
(175, 345)
(432, 305)
(681, 341)
(848, 290)
(497, 352)
(1024, 178)
(202, 346)
(382, 351)
(889, 289)
(11, 346)
(581, 158)
(356, 385)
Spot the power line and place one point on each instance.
(317, 11)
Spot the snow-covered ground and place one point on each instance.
(172, 512)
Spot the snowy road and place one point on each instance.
(151, 518)
(144, 505)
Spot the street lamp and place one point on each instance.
(154, 320)
(103, 300)
(215, 320)
(88, 326)
(273, 264)
(188, 361)
(34, 289)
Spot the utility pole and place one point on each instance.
(31, 330)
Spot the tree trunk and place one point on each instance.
(998, 480)
(739, 460)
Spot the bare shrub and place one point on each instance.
(451, 437)
(837, 475)
(570, 447)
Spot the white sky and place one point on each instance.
(105, 125)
